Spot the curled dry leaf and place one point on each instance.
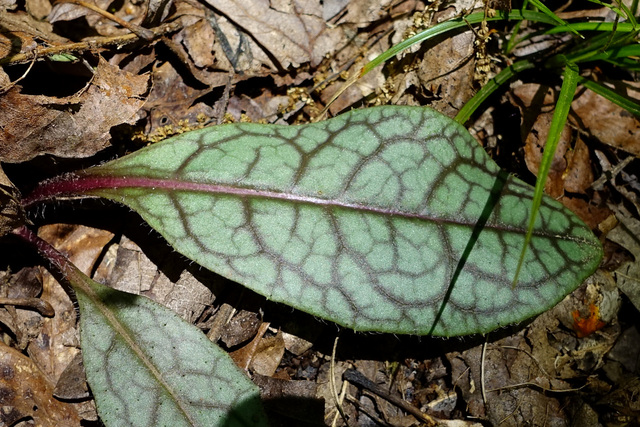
(76, 126)
(268, 355)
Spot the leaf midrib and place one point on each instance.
(98, 182)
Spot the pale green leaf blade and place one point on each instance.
(381, 219)
(148, 367)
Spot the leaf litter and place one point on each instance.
(573, 364)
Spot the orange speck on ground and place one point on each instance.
(587, 325)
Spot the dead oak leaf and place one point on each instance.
(75, 126)
(281, 33)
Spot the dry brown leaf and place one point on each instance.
(295, 344)
(579, 175)
(26, 392)
(265, 105)
(73, 382)
(606, 121)
(277, 34)
(506, 371)
(24, 324)
(626, 234)
(198, 39)
(599, 117)
(571, 170)
(14, 43)
(76, 126)
(133, 272)
(39, 9)
(242, 357)
(8, 4)
(67, 11)
(534, 149)
(268, 355)
(172, 101)
(132, 12)
(360, 12)
(11, 213)
(20, 21)
(446, 72)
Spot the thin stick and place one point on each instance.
(332, 381)
(37, 304)
(91, 44)
(484, 353)
(143, 33)
(356, 377)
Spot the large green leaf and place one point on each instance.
(384, 219)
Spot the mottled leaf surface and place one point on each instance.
(386, 219)
(148, 367)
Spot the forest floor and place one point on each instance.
(77, 89)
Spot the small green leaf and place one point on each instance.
(147, 366)
(63, 57)
(386, 219)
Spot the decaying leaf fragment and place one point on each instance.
(76, 126)
(26, 392)
(11, 213)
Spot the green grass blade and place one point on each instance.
(604, 47)
(451, 25)
(628, 104)
(553, 16)
(607, 27)
(569, 85)
(503, 76)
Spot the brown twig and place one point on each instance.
(91, 44)
(355, 377)
(143, 33)
(37, 304)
